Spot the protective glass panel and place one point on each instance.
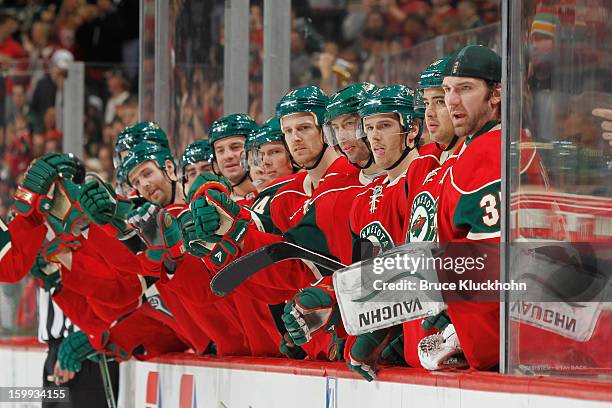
(147, 59)
(560, 193)
(195, 75)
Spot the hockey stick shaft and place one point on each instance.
(106, 381)
(234, 274)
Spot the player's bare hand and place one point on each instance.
(606, 125)
(62, 376)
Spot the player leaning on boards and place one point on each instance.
(313, 199)
(392, 137)
(393, 129)
(469, 200)
(424, 182)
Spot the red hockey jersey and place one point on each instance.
(469, 211)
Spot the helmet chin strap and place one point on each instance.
(246, 174)
(450, 145)
(316, 163)
(407, 150)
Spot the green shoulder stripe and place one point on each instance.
(308, 234)
(479, 211)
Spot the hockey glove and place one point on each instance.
(160, 231)
(290, 349)
(215, 191)
(36, 191)
(48, 273)
(227, 249)
(65, 216)
(74, 350)
(193, 245)
(59, 246)
(205, 182)
(310, 311)
(100, 203)
(441, 350)
(362, 353)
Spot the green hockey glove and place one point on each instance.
(48, 273)
(100, 203)
(36, 191)
(310, 311)
(74, 350)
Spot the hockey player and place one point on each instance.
(266, 151)
(196, 159)
(227, 137)
(423, 183)
(388, 119)
(341, 129)
(469, 201)
(132, 135)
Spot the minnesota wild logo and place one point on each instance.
(422, 219)
(376, 233)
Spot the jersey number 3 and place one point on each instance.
(489, 203)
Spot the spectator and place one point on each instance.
(38, 44)
(443, 16)
(100, 38)
(468, 15)
(69, 18)
(49, 90)
(18, 105)
(9, 48)
(299, 60)
(130, 14)
(118, 89)
(606, 124)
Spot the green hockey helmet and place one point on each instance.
(345, 102)
(141, 132)
(269, 132)
(236, 124)
(305, 99)
(390, 99)
(144, 152)
(430, 77)
(196, 152)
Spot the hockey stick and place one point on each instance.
(234, 274)
(106, 380)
